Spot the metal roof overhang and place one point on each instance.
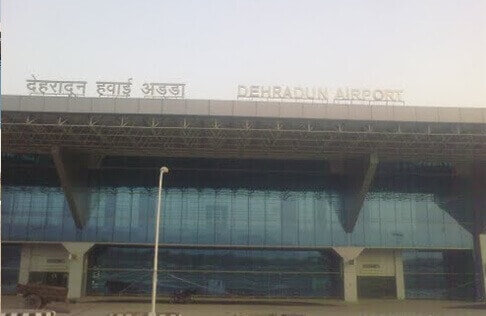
(179, 128)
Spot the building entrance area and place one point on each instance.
(216, 272)
(415, 274)
(239, 228)
(381, 287)
(377, 274)
(123, 270)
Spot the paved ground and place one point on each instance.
(207, 307)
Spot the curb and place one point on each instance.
(44, 313)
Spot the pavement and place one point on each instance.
(93, 306)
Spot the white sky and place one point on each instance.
(435, 50)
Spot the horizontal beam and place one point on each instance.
(240, 108)
(181, 136)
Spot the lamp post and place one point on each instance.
(156, 246)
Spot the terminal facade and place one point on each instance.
(263, 199)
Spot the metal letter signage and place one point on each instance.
(114, 89)
(341, 95)
(110, 89)
(56, 87)
(163, 90)
(281, 93)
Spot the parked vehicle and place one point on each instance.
(38, 295)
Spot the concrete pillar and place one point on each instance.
(482, 275)
(350, 284)
(399, 279)
(479, 229)
(24, 269)
(77, 267)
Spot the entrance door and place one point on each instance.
(376, 274)
(377, 287)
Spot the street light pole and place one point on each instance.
(156, 246)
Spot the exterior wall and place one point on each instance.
(438, 274)
(78, 264)
(383, 263)
(446, 274)
(266, 273)
(213, 206)
(349, 256)
(376, 262)
(245, 109)
(69, 258)
(482, 242)
(48, 258)
(42, 258)
(227, 217)
(400, 282)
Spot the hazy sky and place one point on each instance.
(434, 50)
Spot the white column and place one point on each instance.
(349, 255)
(399, 275)
(77, 265)
(24, 269)
(482, 246)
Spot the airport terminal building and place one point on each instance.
(263, 199)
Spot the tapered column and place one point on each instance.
(24, 269)
(72, 168)
(350, 281)
(479, 229)
(77, 267)
(358, 175)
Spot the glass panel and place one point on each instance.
(323, 223)
(190, 216)
(232, 272)
(10, 267)
(257, 218)
(123, 208)
(306, 220)
(10, 279)
(222, 215)
(240, 217)
(20, 213)
(273, 219)
(438, 274)
(404, 228)
(339, 236)
(138, 225)
(207, 221)
(55, 205)
(223, 204)
(7, 211)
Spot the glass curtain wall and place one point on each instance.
(438, 274)
(119, 270)
(208, 202)
(10, 267)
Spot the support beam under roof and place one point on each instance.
(72, 168)
(359, 176)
